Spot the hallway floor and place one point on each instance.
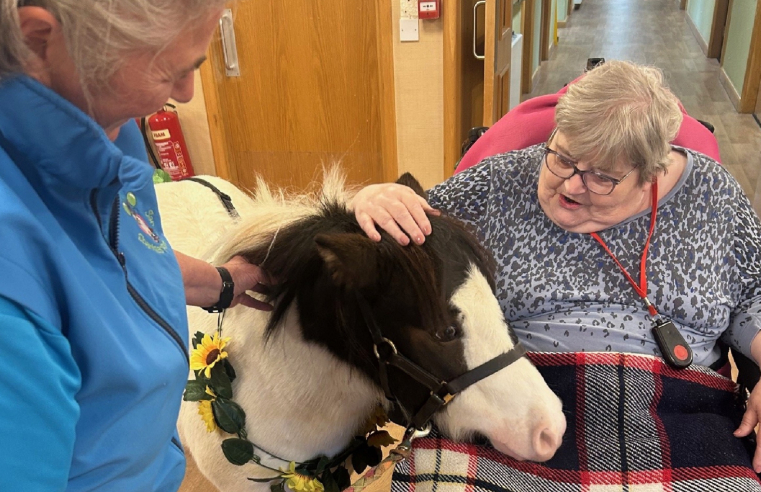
(656, 32)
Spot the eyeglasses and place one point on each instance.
(563, 167)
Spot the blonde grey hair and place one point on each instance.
(99, 33)
(620, 111)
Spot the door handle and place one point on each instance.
(229, 46)
(481, 3)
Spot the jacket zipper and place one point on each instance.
(113, 244)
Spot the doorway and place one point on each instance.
(477, 43)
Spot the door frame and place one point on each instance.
(209, 78)
(752, 79)
(453, 80)
(718, 26)
(386, 78)
(544, 39)
(494, 92)
(212, 74)
(527, 29)
(453, 39)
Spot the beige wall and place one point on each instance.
(700, 13)
(419, 86)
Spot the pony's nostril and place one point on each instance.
(546, 442)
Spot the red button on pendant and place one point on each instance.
(680, 352)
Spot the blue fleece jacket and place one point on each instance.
(93, 331)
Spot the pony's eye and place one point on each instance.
(448, 334)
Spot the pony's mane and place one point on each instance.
(270, 210)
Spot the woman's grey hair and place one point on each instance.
(620, 111)
(99, 33)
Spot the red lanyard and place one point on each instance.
(642, 287)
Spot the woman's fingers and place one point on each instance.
(261, 289)
(418, 210)
(246, 275)
(396, 209)
(390, 224)
(249, 277)
(368, 225)
(249, 301)
(749, 421)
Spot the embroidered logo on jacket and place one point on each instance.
(148, 236)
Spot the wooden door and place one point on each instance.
(499, 37)
(315, 87)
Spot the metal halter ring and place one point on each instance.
(387, 342)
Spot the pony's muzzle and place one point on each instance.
(547, 440)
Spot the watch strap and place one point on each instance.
(227, 293)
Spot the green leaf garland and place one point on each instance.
(318, 473)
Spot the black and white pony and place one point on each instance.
(307, 374)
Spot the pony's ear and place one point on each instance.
(409, 180)
(351, 259)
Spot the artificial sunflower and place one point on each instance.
(300, 483)
(207, 353)
(204, 410)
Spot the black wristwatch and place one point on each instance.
(226, 294)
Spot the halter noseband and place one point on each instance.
(441, 392)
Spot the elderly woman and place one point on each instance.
(92, 297)
(607, 238)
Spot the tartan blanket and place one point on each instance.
(634, 425)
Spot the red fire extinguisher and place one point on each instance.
(170, 144)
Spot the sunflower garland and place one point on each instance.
(210, 351)
(212, 389)
(207, 414)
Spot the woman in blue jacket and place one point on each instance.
(92, 318)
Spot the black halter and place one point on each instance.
(441, 392)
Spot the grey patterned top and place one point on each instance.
(560, 291)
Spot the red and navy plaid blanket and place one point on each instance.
(634, 425)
